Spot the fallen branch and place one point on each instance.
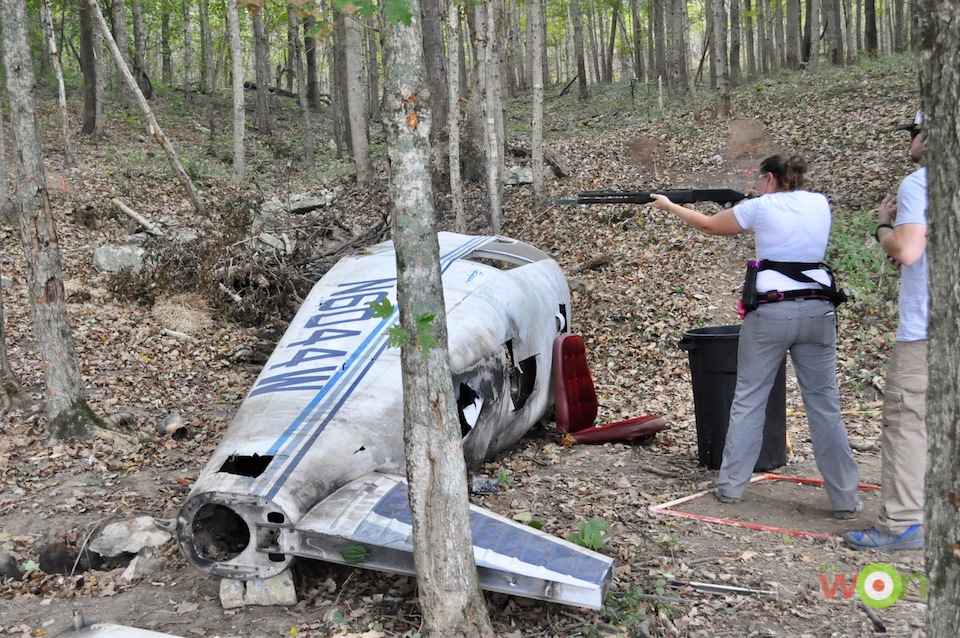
(878, 625)
(236, 298)
(150, 227)
(595, 262)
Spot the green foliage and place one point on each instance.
(626, 609)
(422, 336)
(860, 265)
(590, 534)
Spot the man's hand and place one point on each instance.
(888, 210)
(660, 201)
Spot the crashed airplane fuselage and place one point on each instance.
(310, 463)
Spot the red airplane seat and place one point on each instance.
(575, 399)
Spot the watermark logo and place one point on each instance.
(878, 585)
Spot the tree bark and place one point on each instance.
(939, 63)
(239, 114)
(67, 411)
(88, 67)
(454, 35)
(207, 65)
(639, 72)
(793, 34)
(449, 590)
(724, 103)
(338, 82)
(166, 52)
(61, 91)
(373, 72)
(870, 44)
(491, 104)
(6, 204)
(155, 129)
(536, 145)
(122, 38)
(577, 20)
(140, 49)
(813, 17)
(188, 52)
(433, 51)
(356, 109)
(309, 147)
(261, 54)
(9, 383)
(736, 70)
(748, 22)
(677, 83)
(310, 49)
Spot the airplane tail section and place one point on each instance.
(367, 523)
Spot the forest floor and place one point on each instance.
(639, 278)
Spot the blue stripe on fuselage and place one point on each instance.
(286, 461)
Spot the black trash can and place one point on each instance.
(713, 372)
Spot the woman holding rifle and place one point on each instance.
(794, 311)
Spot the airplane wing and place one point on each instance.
(367, 523)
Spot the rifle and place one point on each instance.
(678, 196)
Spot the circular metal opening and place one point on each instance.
(219, 533)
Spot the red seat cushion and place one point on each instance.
(575, 401)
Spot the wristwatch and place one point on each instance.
(876, 233)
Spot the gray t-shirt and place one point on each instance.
(914, 300)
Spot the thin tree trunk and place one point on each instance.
(536, 145)
(140, 49)
(724, 103)
(239, 114)
(6, 203)
(357, 112)
(736, 52)
(101, 88)
(639, 72)
(848, 30)
(578, 49)
(155, 129)
(67, 411)
(207, 64)
(61, 91)
(122, 39)
(793, 34)
(491, 106)
(338, 83)
(870, 43)
(9, 383)
(778, 34)
(938, 40)
(455, 37)
(373, 73)
(261, 55)
(813, 17)
(188, 52)
(309, 148)
(166, 52)
(88, 67)
(310, 48)
(608, 69)
(449, 590)
(436, 73)
(748, 22)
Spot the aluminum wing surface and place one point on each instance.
(367, 523)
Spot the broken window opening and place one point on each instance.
(523, 377)
(252, 466)
(469, 405)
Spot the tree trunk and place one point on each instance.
(449, 590)
(140, 50)
(166, 52)
(6, 204)
(67, 411)
(261, 55)
(611, 50)
(454, 35)
(736, 70)
(356, 110)
(61, 91)
(309, 148)
(793, 34)
(492, 104)
(724, 103)
(338, 83)
(659, 37)
(433, 52)
(578, 48)
(677, 82)
(88, 67)
(849, 43)
(639, 72)
(870, 44)
(100, 87)
(835, 31)
(709, 37)
(188, 52)
(239, 115)
(813, 18)
(207, 64)
(899, 26)
(938, 41)
(310, 48)
(751, 43)
(373, 73)
(121, 37)
(536, 144)
(778, 34)
(155, 129)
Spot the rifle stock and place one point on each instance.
(679, 196)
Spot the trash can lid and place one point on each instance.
(713, 332)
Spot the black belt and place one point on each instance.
(774, 296)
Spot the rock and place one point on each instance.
(278, 590)
(114, 258)
(516, 175)
(300, 203)
(129, 537)
(9, 567)
(142, 566)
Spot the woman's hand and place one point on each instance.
(660, 201)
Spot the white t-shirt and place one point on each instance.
(914, 300)
(789, 226)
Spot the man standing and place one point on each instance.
(902, 233)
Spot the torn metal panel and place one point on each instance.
(327, 407)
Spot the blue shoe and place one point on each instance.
(873, 539)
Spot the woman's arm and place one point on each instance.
(723, 223)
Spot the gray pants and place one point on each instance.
(807, 328)
(903, 438)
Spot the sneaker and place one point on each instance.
(873, 539)
(848, 515)
(724, 498)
